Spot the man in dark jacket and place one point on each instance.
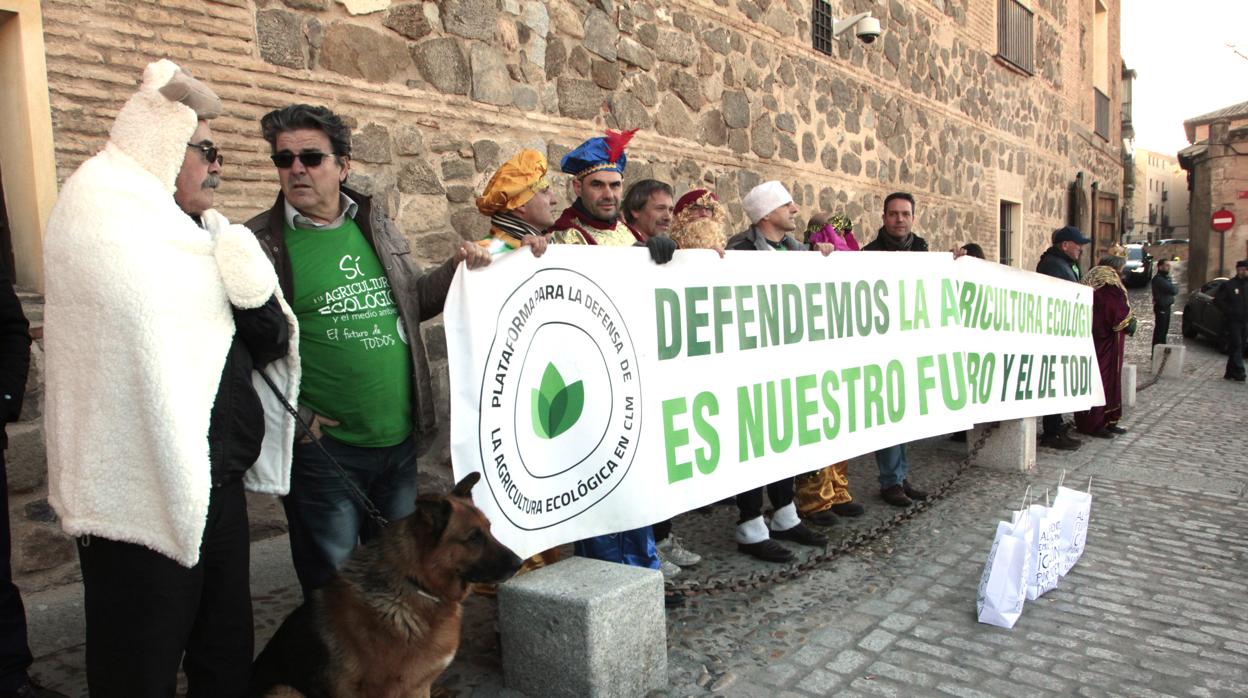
(15, 657)
(1061, 261)
(1232, 300)
(1164, 292)
(366, 389)
(896, 235)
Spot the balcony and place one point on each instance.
(1102, 113)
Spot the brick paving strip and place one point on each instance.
(1155, 607)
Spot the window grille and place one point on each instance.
(821, 26)
(1015, 42)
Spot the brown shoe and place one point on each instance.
(1060, 441)
(896, 496)
(912, 492)
(848, 509)
(826, 518)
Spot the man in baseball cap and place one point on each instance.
(1061, 261)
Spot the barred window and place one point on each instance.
(1014, 35)
(821, 26)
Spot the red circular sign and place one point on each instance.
(1223, 220)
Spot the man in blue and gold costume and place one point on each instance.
(597, 169)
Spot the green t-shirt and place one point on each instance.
(357, 368)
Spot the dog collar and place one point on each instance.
(421, 590)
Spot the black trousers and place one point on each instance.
(1052, 424)
(1161, 326)
(1237, 331)
(146, 614)
(750, 504)
(15, 656)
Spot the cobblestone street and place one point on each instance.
(1155, 607)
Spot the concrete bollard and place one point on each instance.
(1128, 386)
(1173, 364)
(1011, 447)
(584, 628)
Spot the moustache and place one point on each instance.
(212, 182)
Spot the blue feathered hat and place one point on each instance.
(598, 155)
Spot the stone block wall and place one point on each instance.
(1218, 175)
(727, 93)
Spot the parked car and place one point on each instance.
(1201, 317)
(1139, 267)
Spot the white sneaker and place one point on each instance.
(671, 549)
(668, 569)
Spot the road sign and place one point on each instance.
(1223, 220)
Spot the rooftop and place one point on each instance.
(1234, 112)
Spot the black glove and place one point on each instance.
(661, 249)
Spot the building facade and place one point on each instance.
(986, 109)
(1217, 170)
(1161, 198)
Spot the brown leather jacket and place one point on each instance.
(420, 295)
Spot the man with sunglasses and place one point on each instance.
(158, 313)
(366, 390)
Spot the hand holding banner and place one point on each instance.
(596, 391)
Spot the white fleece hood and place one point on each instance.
(137, 324)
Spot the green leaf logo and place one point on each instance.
(556, 406)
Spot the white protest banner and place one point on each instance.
(597, 392)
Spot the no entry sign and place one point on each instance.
(1223, 220)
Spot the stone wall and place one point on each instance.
(726, 93)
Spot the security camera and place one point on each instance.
(867, 29)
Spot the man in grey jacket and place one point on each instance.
(366, 389)
(773, 217)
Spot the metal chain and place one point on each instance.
(762, 580)
(369, 508)
(1160, 370)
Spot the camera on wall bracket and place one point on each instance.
(866, 27)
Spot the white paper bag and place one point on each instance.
(1074, 508)
(1003, 585)
(1042, 550)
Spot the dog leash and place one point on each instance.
(356, 493)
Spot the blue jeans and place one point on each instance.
(893, 465)
(326, 522)
(635, 548)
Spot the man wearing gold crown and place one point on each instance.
(1112, 321)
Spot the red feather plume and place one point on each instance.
(617, 141)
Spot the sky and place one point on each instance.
(1183, 66)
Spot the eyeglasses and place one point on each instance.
(210, 152)
(286, 158)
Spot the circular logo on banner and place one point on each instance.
(560, 400)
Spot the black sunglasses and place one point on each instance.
(210, 152)
(286, 158)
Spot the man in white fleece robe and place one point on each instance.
(158, 315)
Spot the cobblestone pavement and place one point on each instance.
(1155, 607)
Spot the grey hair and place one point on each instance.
(1110, 260)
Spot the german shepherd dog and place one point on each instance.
(388, 623)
